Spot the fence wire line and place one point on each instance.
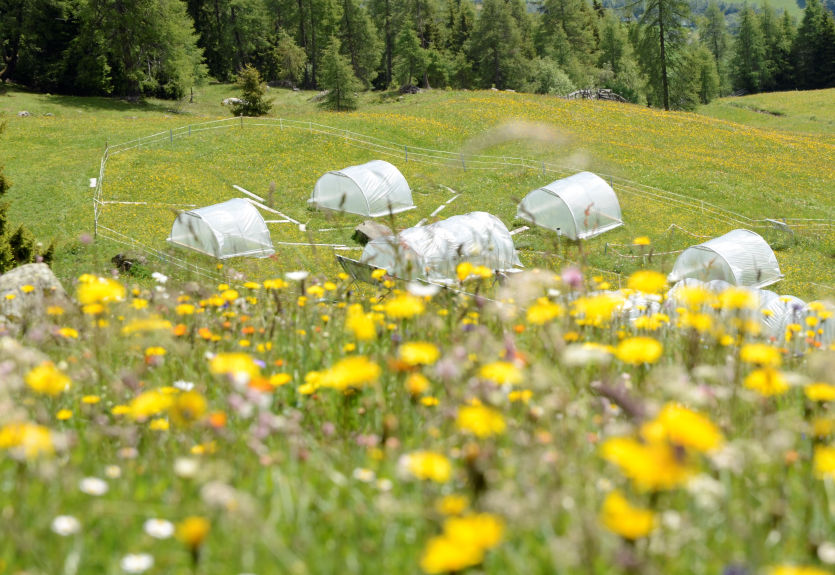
(421, 155)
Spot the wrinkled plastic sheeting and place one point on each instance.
(778, 311)
(741, 257)
(434, 251)
(373, 189)
(637, 305)
(225, 230)
(581, 206)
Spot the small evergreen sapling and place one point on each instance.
(253, 94)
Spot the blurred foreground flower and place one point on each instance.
(462, 544)
(65, 525)
(47, 379)
(26, 440)
(639, 350)
(136, 562)
(620, 517)
(427, 465)
(355, 371)
(480, 420)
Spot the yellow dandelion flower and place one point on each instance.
(639, 350)
(148, 324)
(68, 333)
(620, 517)
(47, 379)
(480, 420)
(543, 311)
(192, 531)
(596, 310)
(418, 353)
(647, 281)
(445, 555)
(63, 414)
(28, 439)
(90, 399)
(350, 372)
(452, 504)
(404, 306)
(416, 383)
(98, 290)
(651, 467)
(238, 366)
(158, 425)
(187, 408)
(761, 354)
(482, 530)
(149, 403)
(502, 372)
(824, 462)
(766, 381)
(683, 427)
(360, 324)
(641, 241)
(738, 298)
(429, 465)
(820, 391)
(797, 570)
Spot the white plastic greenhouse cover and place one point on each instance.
(581, 206)
(434, 251)
(230, 229)
(373, 189)
(740, 257)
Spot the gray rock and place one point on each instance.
(20, 310)
(232, 101)
(370, 230)
(24, 114)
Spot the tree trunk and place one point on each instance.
(664, 87)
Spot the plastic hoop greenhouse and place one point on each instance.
(374, 189)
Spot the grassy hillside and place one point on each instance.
(811, 112)
(754, 172)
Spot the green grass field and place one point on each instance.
(269, 423)
(751, 171)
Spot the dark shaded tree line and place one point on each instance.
(651, 51)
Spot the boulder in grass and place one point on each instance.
(23, 114)
(25, 294)
(370, 230)
(232, 101)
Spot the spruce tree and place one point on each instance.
(410, 59)
(713, 32)
(253, 94)
(662, 35)
(749, 53)
(360, 41)
(337, 77)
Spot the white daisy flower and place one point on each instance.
(65, 525)
(136, 562)
(93, 486)
(158, 528)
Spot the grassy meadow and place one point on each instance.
(273, 418)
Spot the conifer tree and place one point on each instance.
(410, 60)
(337, 77)
(360, 41)
(662, 35)
(749, 53)
(253, 94)
(713, 32)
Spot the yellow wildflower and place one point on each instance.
(47, 379)
(418, 353)
(683, 427)
(354, 371)
(501, 372)
(149, 403)
(27, 439)
(797, 570)
(737, 298)
(638, 350)
(187, 408)
(158, 424)
(142, 325)
(480, 420)
(63, 414)
(98, 290)
(417, 383)
(641, 241)
(651, 467)
(761, 354)
(359, 323)
(820, 391)
(404, 306)
(445, 555)
(620, 517)
(647, 281)
(193, 531)
(68, 333)
(824, 462)
(452, 504)
(766, 381)
(596, 310)
(543, 311)
(429, 465)
(238, 366)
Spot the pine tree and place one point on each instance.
(253, 94)
(813, 50)
(410, 59)
(662, 35)
(618, 67)
(749, 53)
(498, 48)
(713, 32)
(338, 79)
(359, 40)
(290, 59)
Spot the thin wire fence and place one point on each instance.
(418, 154)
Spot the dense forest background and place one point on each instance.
(665, 53)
